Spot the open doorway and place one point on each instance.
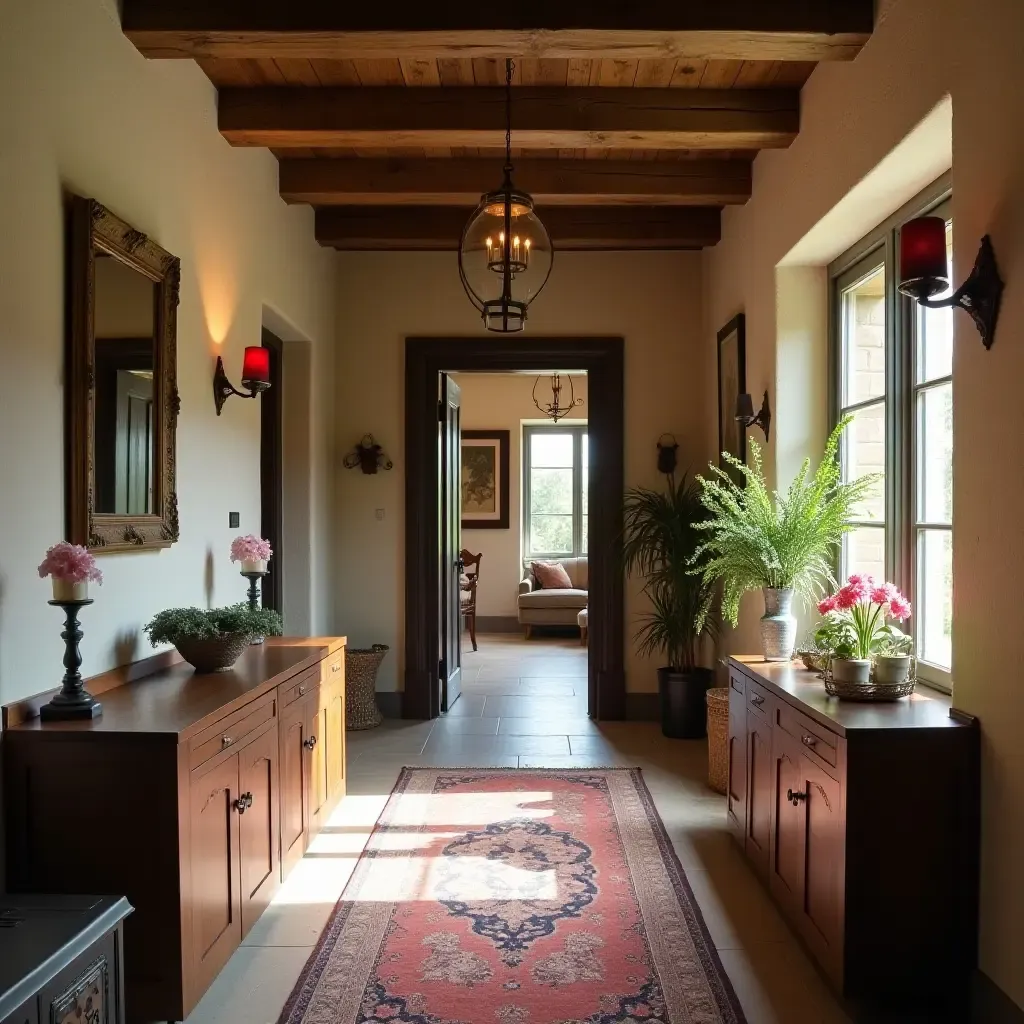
(587, 516)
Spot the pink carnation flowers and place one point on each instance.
(865, 605)
(250, 548)
(71, 563)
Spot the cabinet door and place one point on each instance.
(294, 732)
(787, 855)
(258, 843)
(737, 787)
(335, 746)
(216, 905)
(824, 868)
(317, 748)
(757, 841)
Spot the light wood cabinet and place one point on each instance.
(294, 732)
(759, 790)
(259, 845)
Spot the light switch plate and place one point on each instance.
(233, 520)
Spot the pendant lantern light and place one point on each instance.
(506, 255)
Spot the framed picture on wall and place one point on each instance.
(732, 382)
(485, 479)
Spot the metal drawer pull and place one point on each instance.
(302, 690)
(225, 741)
(809, 741)
(795, 798)
(310, 743)
(336, 667)
(243, 802)
(756, 698)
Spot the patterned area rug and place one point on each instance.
(542, 896)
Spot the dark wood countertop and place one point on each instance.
(177, 701)
(924, 709)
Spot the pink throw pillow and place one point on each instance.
(551, 575)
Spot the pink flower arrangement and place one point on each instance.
(70, 562)
(250, 548)
(864, 605)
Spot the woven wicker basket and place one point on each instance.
(217, 654)
(718, 738)
(361, 665)
(871, 690)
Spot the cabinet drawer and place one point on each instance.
(299, 687)
(812, 736)
(332, 669)
(757, 697)
(736, 682)
(229, 732)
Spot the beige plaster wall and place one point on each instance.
(81, 111)
(927, 57)
(504, 401)
(651, 299)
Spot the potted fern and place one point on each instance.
(659, 541)
(784, 545)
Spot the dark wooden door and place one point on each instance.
(272, 469)
(451, 543)
(258, 847)
(293, 731)
(757, 840)
(317, 746)
(335, 752)
(216, 893)
(787, 858)
(823, 869)
(737, 788)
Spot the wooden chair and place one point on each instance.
(467, 593)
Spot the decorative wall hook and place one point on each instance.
(924, 272)
(745, 413)
(255, 376)
(368, 456)
(668, 449)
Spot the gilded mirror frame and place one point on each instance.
(94, 228)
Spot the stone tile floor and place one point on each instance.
(524, 705)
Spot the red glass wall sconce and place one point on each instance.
(255, 376)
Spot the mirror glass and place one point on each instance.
(125, 324)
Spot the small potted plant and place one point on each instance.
(71, 569)
(855, 630)
(211, 640)
(252, 551)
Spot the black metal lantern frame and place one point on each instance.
(504, 314)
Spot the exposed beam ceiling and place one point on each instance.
(571, 228)
(550, 182)
(334, 29)
(542, 118)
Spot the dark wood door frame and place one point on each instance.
(272, 470)
(602, 359)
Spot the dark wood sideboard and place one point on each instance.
(863, 821)
(192, 795)
(62, 959)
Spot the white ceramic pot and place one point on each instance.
(67, 590)
(892, 670)
(254, 565)
(778, 624)
(851, 670)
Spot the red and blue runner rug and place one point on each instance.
(537, 896)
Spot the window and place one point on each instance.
(893, 373)
(555, 482)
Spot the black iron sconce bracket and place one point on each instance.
(223, 389)
(368, 456)
(745, 413)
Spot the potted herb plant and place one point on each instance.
(855, 631)
(211, 640)
(659, 541)
(781, 544)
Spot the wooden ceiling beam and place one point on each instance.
(439, 228)
(355, 182)
(543, 118)
(328, 29)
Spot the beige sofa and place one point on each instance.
(539, 607)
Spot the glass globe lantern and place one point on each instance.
(506, 255)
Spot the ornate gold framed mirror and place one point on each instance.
(121, 385)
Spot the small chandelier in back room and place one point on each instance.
(506, 255)
(554, 409)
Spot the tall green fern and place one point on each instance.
(757, 538)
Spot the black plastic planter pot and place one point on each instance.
(683, 702)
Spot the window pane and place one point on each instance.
(863, 342)
(863, 452)
(935, 331)
(550, 449)
(864, 551)
(585, 481)
(551, 491)
(551, 534)
(933, 616)
(935, 454)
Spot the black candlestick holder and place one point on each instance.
(254, 595)
(74, 701)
